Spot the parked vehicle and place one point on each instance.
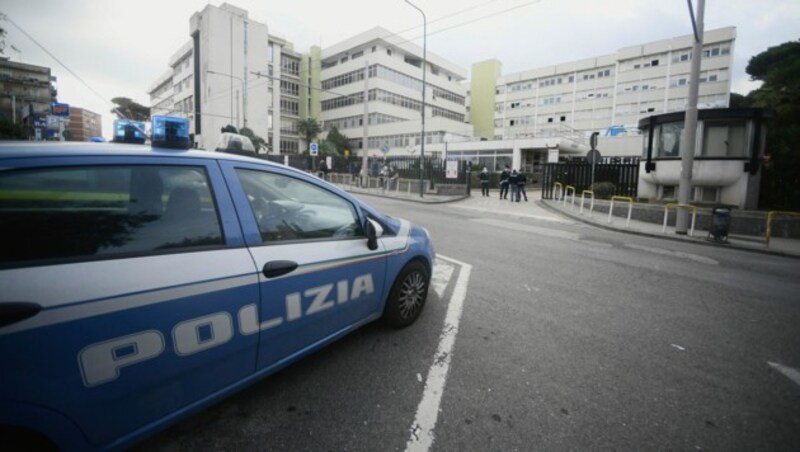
(142, 284)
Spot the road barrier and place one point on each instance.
(687, 206)
(772, 215)
(591, 205)
(559, 190)
(630, 207)
(566, 193)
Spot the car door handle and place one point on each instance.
(274, 269)
(17, 311)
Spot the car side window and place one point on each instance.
(286, 209)
(103, 211)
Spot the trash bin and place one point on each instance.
(720, 224)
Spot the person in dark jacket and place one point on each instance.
(504, 183)
(484, 177)
(521, 184)
(513, 181)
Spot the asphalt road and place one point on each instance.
(571, 338)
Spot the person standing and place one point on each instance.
(513, 181)
(384, 173)
(504, 183)
(484, 177)
(521, 183)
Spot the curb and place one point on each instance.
(698, 241)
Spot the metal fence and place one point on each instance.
(434, 170)
(624, 175)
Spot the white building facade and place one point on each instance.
(393, 88)
(610, 93)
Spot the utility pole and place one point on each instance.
(689, 139)
(424, 67)
(365, 120)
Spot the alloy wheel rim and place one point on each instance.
(412, 293)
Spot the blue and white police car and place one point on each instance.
(140, 284)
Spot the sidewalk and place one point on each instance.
(778, 246)
(550, 210)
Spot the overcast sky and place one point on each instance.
(120, 47)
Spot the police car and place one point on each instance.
(140, 284)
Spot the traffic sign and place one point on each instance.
(314, 149)
(385, 148)
(593, 157)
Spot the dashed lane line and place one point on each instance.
(422, 429)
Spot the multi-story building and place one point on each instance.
(388, 71)
(526, 115)
(284, 77)
(233, 72)
(161, 95)
(597, 93)
(214, 77)
(83, 125)
(25, 87)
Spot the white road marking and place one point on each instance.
(678, 347)
(678, 254)
(792, 374)
(428, 410)
(516, 214)
(442, 272)
(555, 233)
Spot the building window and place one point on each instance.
(724, 138)
(669, 140)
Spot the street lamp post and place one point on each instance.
(237, 96)
(424, 70)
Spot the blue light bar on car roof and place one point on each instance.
(171, 132)
(127, 131)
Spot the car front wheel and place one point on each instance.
(408, 295)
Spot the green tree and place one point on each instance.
(308, 129)
(338, 140)
(2, 36)
(739, 101)
(258, 142)
(11, 131)
(778, 68)
(128, 109)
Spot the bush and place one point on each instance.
(604, 190)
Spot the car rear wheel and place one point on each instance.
(408, 295)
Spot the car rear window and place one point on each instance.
(104, 211)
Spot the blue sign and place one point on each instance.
(60, 109)
(385, 148)
(39, 121)
(314, 149)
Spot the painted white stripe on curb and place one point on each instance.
(428, 410)
(790, 373)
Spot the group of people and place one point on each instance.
(508, 178)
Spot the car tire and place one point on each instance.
(408, 295)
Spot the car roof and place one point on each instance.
(27, 149)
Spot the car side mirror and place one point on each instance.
(374, 230)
